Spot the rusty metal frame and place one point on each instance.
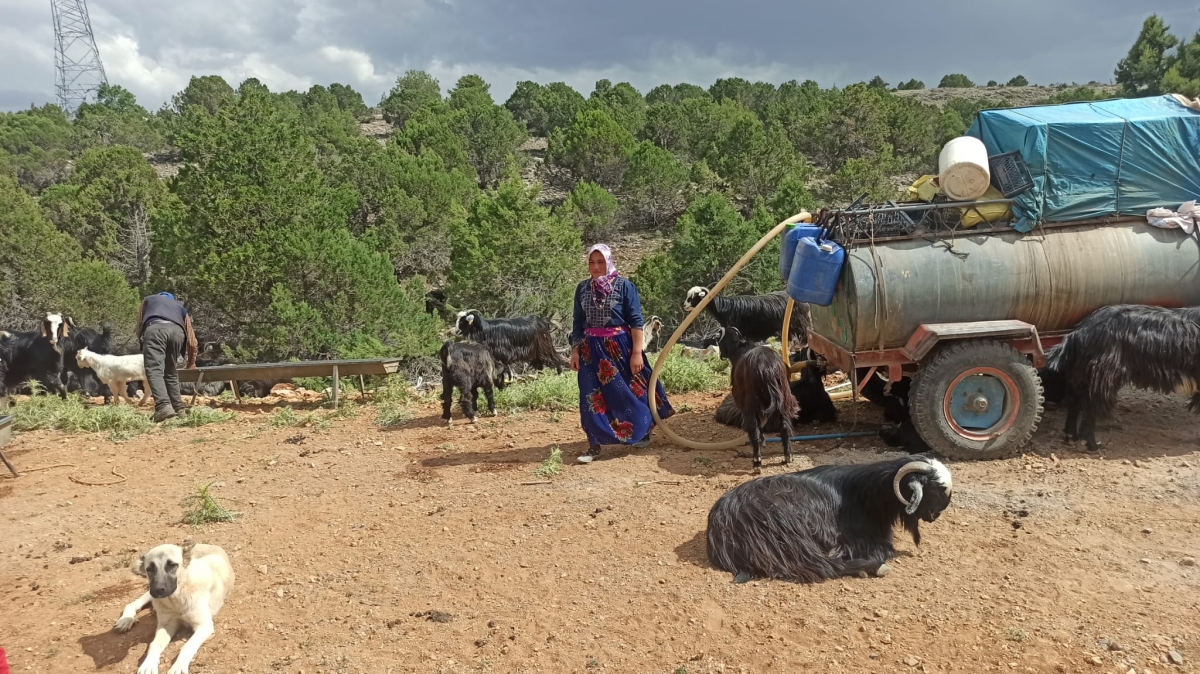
(1021, 336)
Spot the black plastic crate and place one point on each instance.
(1010, 175)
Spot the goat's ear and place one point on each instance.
(139, 566)
(918, 493)
(45, 328)
(65, 330)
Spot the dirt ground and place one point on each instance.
(350, 536)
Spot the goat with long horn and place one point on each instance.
(824, 522)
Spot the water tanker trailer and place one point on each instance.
(965, 298)
(969, 316)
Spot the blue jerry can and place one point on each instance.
(815, 271)
(787, 251)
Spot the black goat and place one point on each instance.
(1146, 347)
(211, 357)
(757, 317)
(210, 389)
(524, 339)
(1054, 384)
(435, 301)
(6, 344)
(815, 404)
(259, 388)
(90, 387)
(761, 392)
(893, 398)
(38, 356)
(877, 388)
(468, 367)
(824, 522)
(85, 379)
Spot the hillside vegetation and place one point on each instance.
(310, 225)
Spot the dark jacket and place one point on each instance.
(169, 309)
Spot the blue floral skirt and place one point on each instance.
(614, 404)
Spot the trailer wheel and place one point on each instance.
(976, 400)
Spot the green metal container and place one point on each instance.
(1050, 278)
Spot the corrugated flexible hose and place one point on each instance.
(693, 314)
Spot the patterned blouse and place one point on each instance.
(622, 307)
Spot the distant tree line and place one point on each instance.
(291, 234)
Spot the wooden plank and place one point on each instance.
(237, 394)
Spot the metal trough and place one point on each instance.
(304, 368)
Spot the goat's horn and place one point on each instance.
(187, 546)
(906, 469)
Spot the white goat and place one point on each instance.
(116, 372)
(650, 330)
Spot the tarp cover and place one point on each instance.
(1091, 160)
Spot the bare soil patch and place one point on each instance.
(419, 550)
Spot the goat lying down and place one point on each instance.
(824, 522)
(1146, 347)
(116, 371)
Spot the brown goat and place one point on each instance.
(761, 391)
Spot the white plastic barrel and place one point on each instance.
(963, 173)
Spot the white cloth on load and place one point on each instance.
(1182, 218)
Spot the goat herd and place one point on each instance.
(821, 523)
(825, 522)
(61, 357)
(836, 520)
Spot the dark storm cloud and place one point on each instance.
(153, 47)
(11, 99)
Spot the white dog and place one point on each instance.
(188, 585)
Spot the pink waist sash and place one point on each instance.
(604, 332)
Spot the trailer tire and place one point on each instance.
(942, 397)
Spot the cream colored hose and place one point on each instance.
(691, 316)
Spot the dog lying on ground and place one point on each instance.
(188, 586)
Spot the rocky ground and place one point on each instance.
(434, 549)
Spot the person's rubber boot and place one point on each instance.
(163, 413)
(592, 453)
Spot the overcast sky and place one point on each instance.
(152, 47)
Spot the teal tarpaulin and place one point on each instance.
(1089, 160)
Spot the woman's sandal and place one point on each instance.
(590, 455)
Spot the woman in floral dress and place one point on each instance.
(606, 351)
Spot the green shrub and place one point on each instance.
(204, 508)
(543, 392)
(681, 374)
(200, 416)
